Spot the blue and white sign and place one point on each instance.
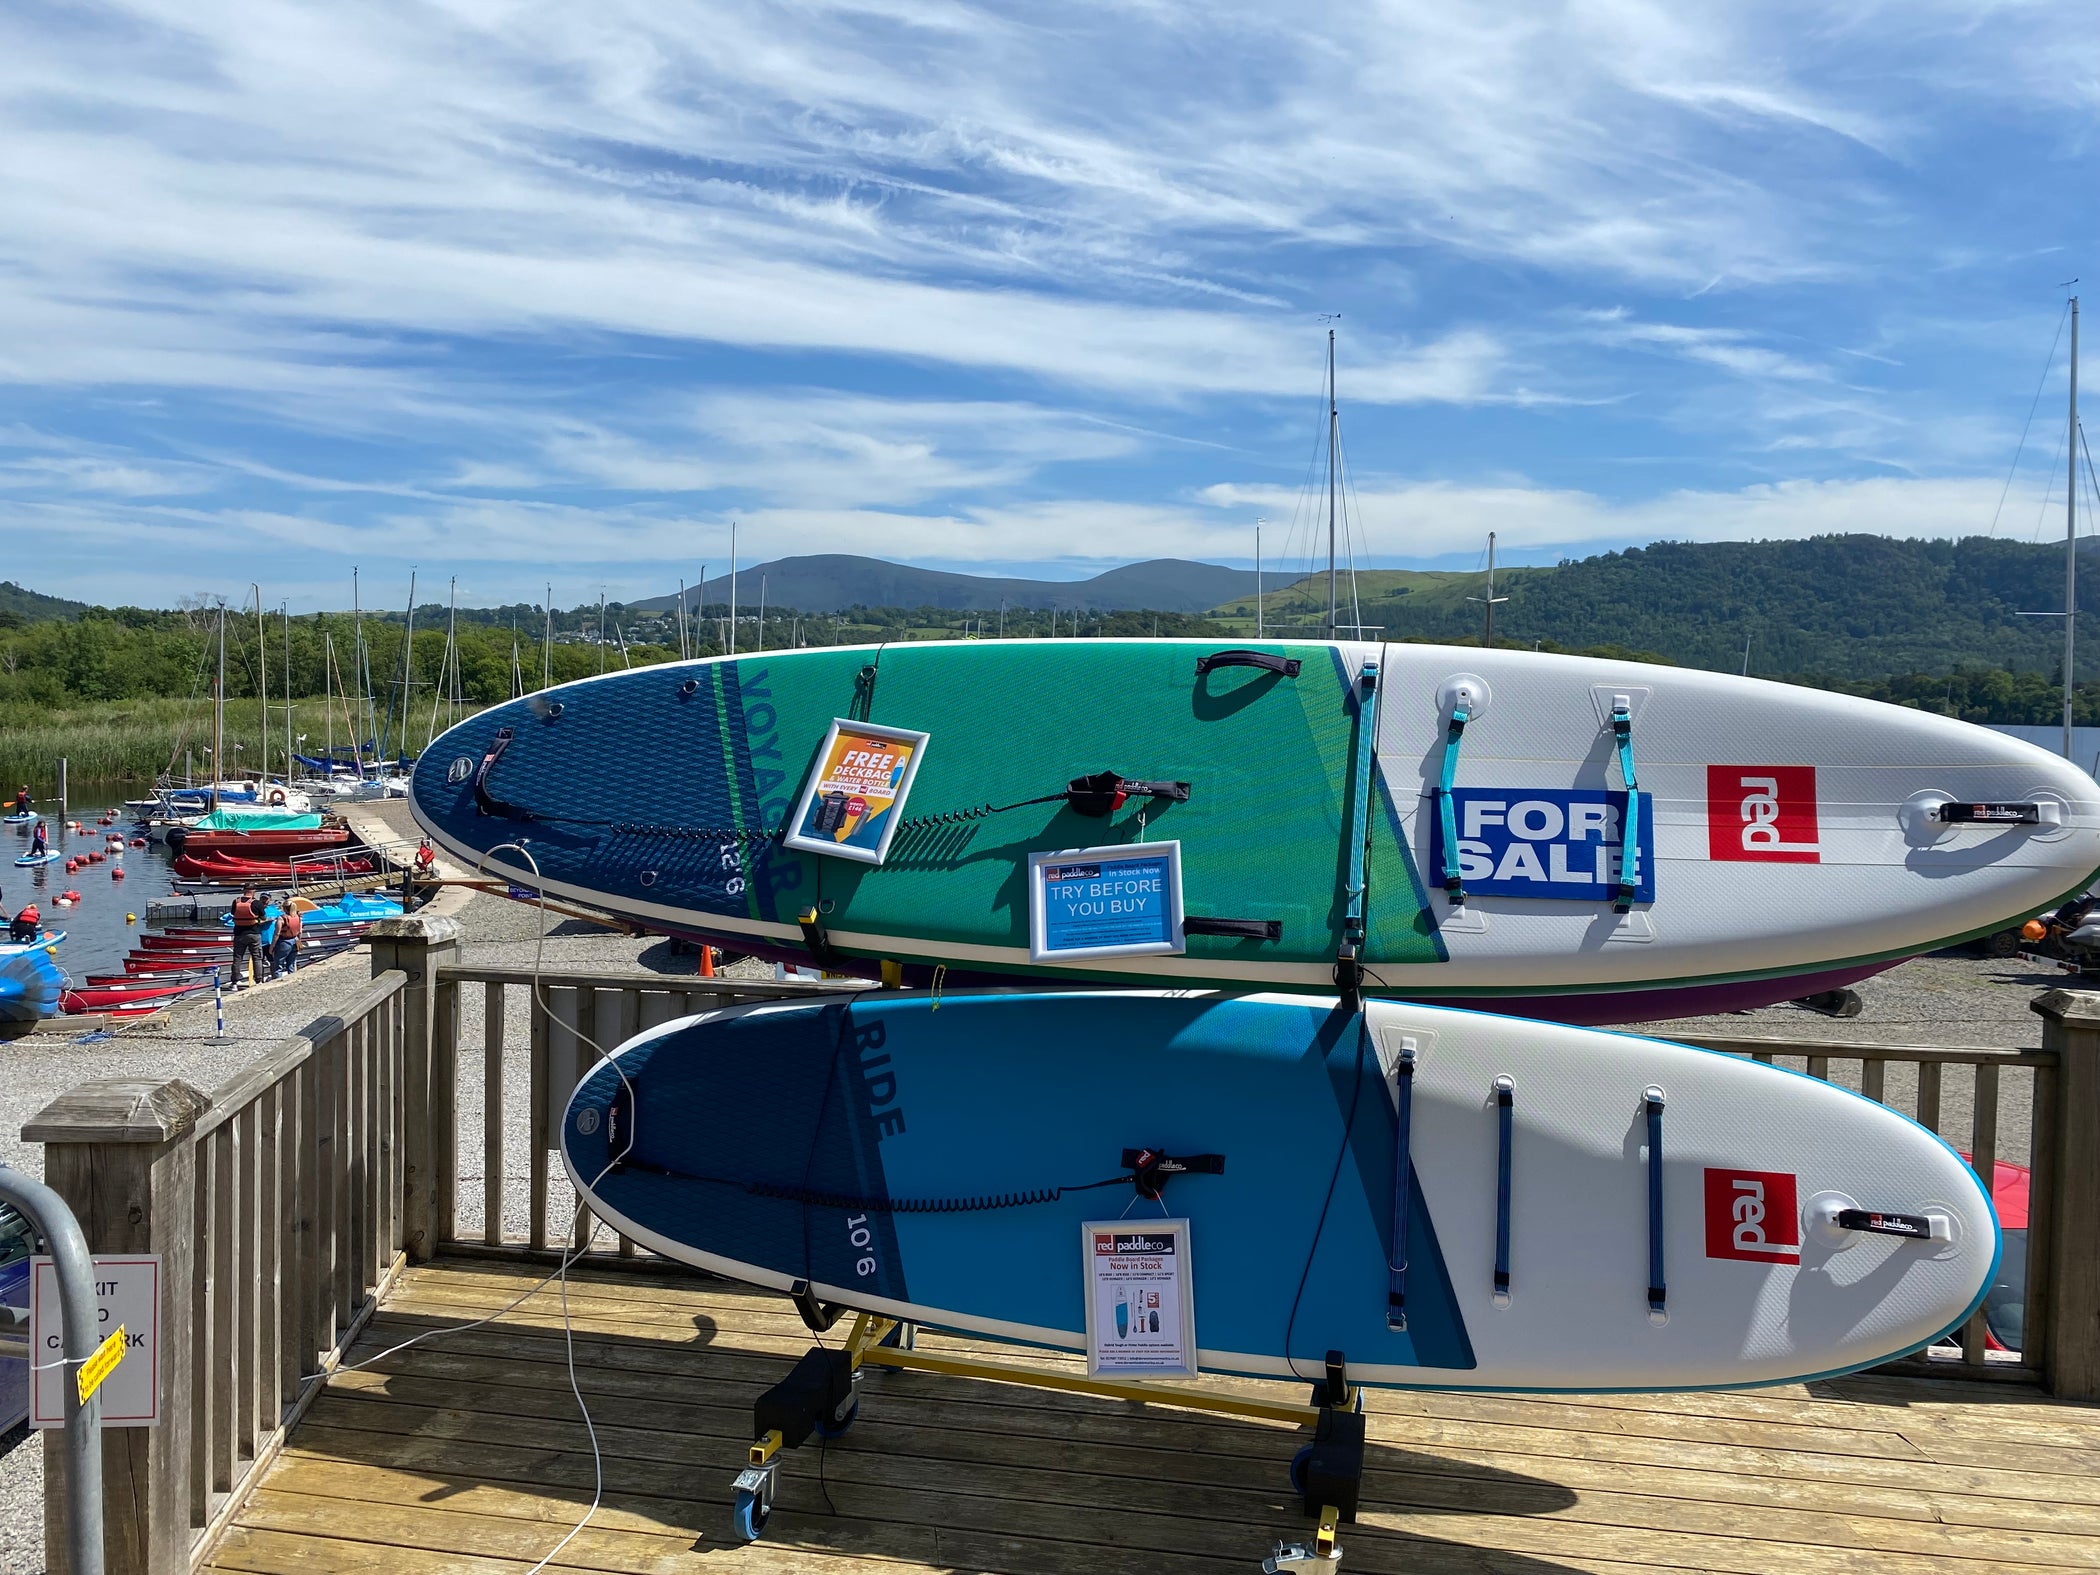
(1560, 843)
(1104, 902)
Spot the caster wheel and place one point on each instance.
(830, 1429)
(1298, 1463)
(747, 1520)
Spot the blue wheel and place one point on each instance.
(746, 1519)
(1298, 1464)
(826, 1428)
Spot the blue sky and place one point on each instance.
(520, 292)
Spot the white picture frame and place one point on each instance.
(837, 780)
(1058, 934)
(1140, 1306)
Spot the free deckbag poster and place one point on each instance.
(1141, 1313)
(1546, 842)
(1105, 902)
(854, 798)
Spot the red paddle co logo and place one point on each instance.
(1752, 1216)
(1762, 815)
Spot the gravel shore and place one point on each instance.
(1931, 1001)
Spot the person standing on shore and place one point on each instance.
(247, 937)
(284, 952)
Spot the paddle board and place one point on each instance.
(38, 858)
(1584, 1210)
(24, 818)
(1456, 819)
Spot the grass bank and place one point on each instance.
(135, 740)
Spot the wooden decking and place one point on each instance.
(466, 1453)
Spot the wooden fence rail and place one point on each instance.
(282, 1203)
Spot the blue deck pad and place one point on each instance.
(830, 1108)
(1560, 843)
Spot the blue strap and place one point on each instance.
(1658, 1289)
(1630, 838)
(1505, 1113)
(1454, 882)
(1403, 1176)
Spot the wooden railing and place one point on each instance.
(282, 1203)
(274, 1204)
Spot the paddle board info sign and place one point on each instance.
(1140, 1307)
(1105, 902)
(1560, 843)
(851, 806)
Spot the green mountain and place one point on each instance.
(1848, 607)
(832, 582)
(19, 606)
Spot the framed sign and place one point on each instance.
(1104, 902)
(1140, 1299)
(854, 798)
(128, 1292)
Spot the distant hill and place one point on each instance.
(1849, 607)
(830, 582)
(26, 606)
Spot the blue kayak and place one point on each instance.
(30, 981)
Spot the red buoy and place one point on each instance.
(116, 872)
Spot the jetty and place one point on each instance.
(387, 1175)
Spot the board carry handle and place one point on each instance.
(486, 803)
(1505, 1122)
(1915, 1227)
(2026, 814)
(1630, 838)
(1396, 1263)
(1237, 929)
(1658, 1287)
(1151, 1169)
(1266, 660)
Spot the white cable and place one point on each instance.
(561, 1270)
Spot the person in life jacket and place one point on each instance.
(40, 839)
(23, 928)
(22, 799)
(247, 937)
(284, 950)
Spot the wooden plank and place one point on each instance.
(269, 1271)
(1929, 1095)
(614, 978)
(247, 1143)
(536, 1121)
(323, 1148)
(2035, 1330)
(1873, 1078)
(223, 1371)
(492, 1156)
(296, 1245)
(204, 1314)
(444, 1109)
(1983, 1159)
(1845, 1050)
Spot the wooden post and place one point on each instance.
(418, 944)
(2071, 1357)
(119, 1152)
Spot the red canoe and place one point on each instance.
(268, 844)
(224, 868)
(100, 998)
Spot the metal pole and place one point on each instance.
(1491, 591)
(1334, 418)
(732, 587)
(61, 788)
(79, 1315)
(2071, 535)
(1259, 632)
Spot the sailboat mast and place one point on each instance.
(262, 681)
(1490, 639)
(547, 643)
(1334, 422)
(284, 610)
(1259, 633)
(328, 693)
(732, 587)
(218, 714)
(361, 674)
(700, 617)
(2071, 536)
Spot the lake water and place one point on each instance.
(2085, 741)
(97, 934)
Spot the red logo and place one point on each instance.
(1104, 1243)
(1751, 1216)
(1762, 814)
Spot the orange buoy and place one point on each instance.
(138, 842)
(70, 896)
(72, 865)
(116, 872)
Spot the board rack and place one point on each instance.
(821, 1395)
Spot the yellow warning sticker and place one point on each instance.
(101, 1364)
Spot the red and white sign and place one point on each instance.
(1752, 1216)
(1762, 815)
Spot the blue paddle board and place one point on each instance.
(1577, 1210)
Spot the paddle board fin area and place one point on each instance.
(1544, 835)
(1450, 1199)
